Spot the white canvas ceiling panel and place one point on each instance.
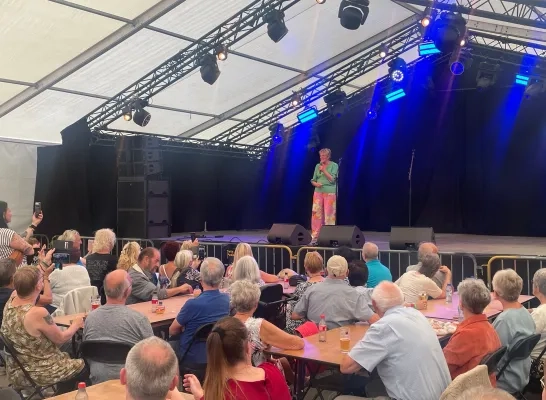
(121, 8)
(124, 64)
(163, 122)
(316, 35)
(241, 79)
(40, 36)
(8, 90)
(43, 117)
(195, 18)
(215, 130)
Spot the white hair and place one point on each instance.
(370, 251)
(387, 295)
(212, 271)
(105, 240)
(245, 295)
(183, 259)
(69, 235)
(507, 284)
(539, 280)
(474, 295)
(247, 268)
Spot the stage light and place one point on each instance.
(522, 80)
(462, 43)
(308, 115)
(395, 95)
(460, 60)
(142, 117)
(353, 13)
(209, 69)
(336, 102)
(449, 32)
(487, 75)
(397, 69)
(276, 28)
(425, 21)
(296, 99)
(221, 52)
(371, 114)
(127, 113)
(277, 133)
(321, 1)
(383, 51)
(427, 48)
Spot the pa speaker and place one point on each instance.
(405, 238)
(289, 234)
(340, 235)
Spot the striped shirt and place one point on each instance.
(6, 235)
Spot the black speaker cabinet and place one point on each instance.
(340, 235)
(289, 234)
(406, 238)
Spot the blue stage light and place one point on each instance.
(457, 68)
(522, 80)
(427, 48)
(397, 75)
(307, 115)
(395, 95)
(371, 114)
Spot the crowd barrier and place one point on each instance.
(525, 266)
(42, 238)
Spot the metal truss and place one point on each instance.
(370, 59)
(506, 44)
(521, 12)
(109, 137)
(181, 64)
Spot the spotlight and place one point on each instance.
(383, 51)
(127, 113)
(209, 69)
(397, 69)
(276, 28)
(463, 42)
(296, 99)
(371, 114)
(308, 115)
(141, 117)
(449, 32)
(425, 21)
(395, 95)
(487, 75)
(336, 102)
(459, 62)
(221, 52)
(277, 133)
(321, 1)
(353, 13)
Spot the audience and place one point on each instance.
(209, 306)
(10, 240)
(230, 374)
(314, 267)
(247, 268)
(428, 248)
(242, 250)
(539, 316)
(340, 303)
(71, 235)
(413, 283)
(475, 337)
(141, 278)
(186, 269)
(513, 324)
(359, 276)
(35, 337)
(67, 277)
(403, 347)
(377, 272)
(128, 256)
(347, 253)
(166, 271)
(115, 322)
(100, 261)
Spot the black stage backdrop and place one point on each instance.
(479, 168)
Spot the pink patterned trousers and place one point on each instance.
(324, 212)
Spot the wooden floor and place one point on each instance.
(447, 242)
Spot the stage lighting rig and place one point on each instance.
(277, 132)
(221, 52)
(321, 1)
(372, 113)
(127, 113)
(353, 13)
(296, 99)
(209, 69)
(276, 28)
(140, 116)
(487, 75)
(449, 32)
(383, 51)
(397, 69)
(460, 60)
(336, 102)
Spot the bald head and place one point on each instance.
(385, 296)
(426, 248)
(370, 251)
(117, 285)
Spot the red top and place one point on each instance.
(273, 387)
(474, 338)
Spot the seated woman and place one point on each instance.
(230, 374)
(68, 277)
(358, 276)
(242, 250)
(512, 325)
(247, 269)
(166, 271)
(35, 337)
(475, 337)
(314, 267)
(128, 256)
(539, 316)
(186, 270)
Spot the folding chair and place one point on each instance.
(272, 306)
(198, 369)
(491, 360)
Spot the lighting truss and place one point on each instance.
(506, 44)
(368, 60)
(181, 64)
(109, 137)
(521, 12)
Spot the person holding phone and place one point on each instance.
(10, 242)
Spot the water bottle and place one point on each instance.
(449, 293)
(155, 300)
(322, 327)
(82, 393)
(286, 285)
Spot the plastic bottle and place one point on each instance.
(449, 293)
(82, 393)
(155, 300)
(322, 327)
(286, 285)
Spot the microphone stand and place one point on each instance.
(410, 173)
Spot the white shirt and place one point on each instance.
(69, 278)
(414, 283)
(539, 316)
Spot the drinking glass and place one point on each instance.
(344, 339)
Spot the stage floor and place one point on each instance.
(447, 242)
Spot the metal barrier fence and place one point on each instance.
(462, 265)
(525, 266)
(42, 238)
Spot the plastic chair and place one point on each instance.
(105, 351)
(491, 360)
(198, 369)
(272, 306)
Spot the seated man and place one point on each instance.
(358, 275)
(414, 283)
(210, 306)
(340, 303)
(403, 347)
(141, 277)
(475, 336)
(424, 249)
(115, 322)
(377, 271)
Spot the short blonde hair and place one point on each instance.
(247, 268)
(245, 295)
(69, 235)
(25, 280)
(507, 284)
(337, 266)
(183, 259)
(128, 256)
(105, 240)
(313, 262)
(327, 151)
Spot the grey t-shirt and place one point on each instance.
(438, 278)
(513, 325)
(116, 323)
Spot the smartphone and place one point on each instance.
(37, 209)
(202, 254)
(60, 258)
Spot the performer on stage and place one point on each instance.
(324, 199)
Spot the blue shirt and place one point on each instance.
(377, 273)
(210, 306)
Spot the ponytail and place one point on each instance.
(215, 385)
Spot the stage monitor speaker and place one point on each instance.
(289, 234)
(407, 238)
(340, 235)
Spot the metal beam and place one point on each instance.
(313, 72)
(512, 31)
(149, 16)
(499, 43)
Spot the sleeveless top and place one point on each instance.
(43, 360)
(253, 326)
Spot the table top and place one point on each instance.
(106, 391)
(172, 307)
(441, 310)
